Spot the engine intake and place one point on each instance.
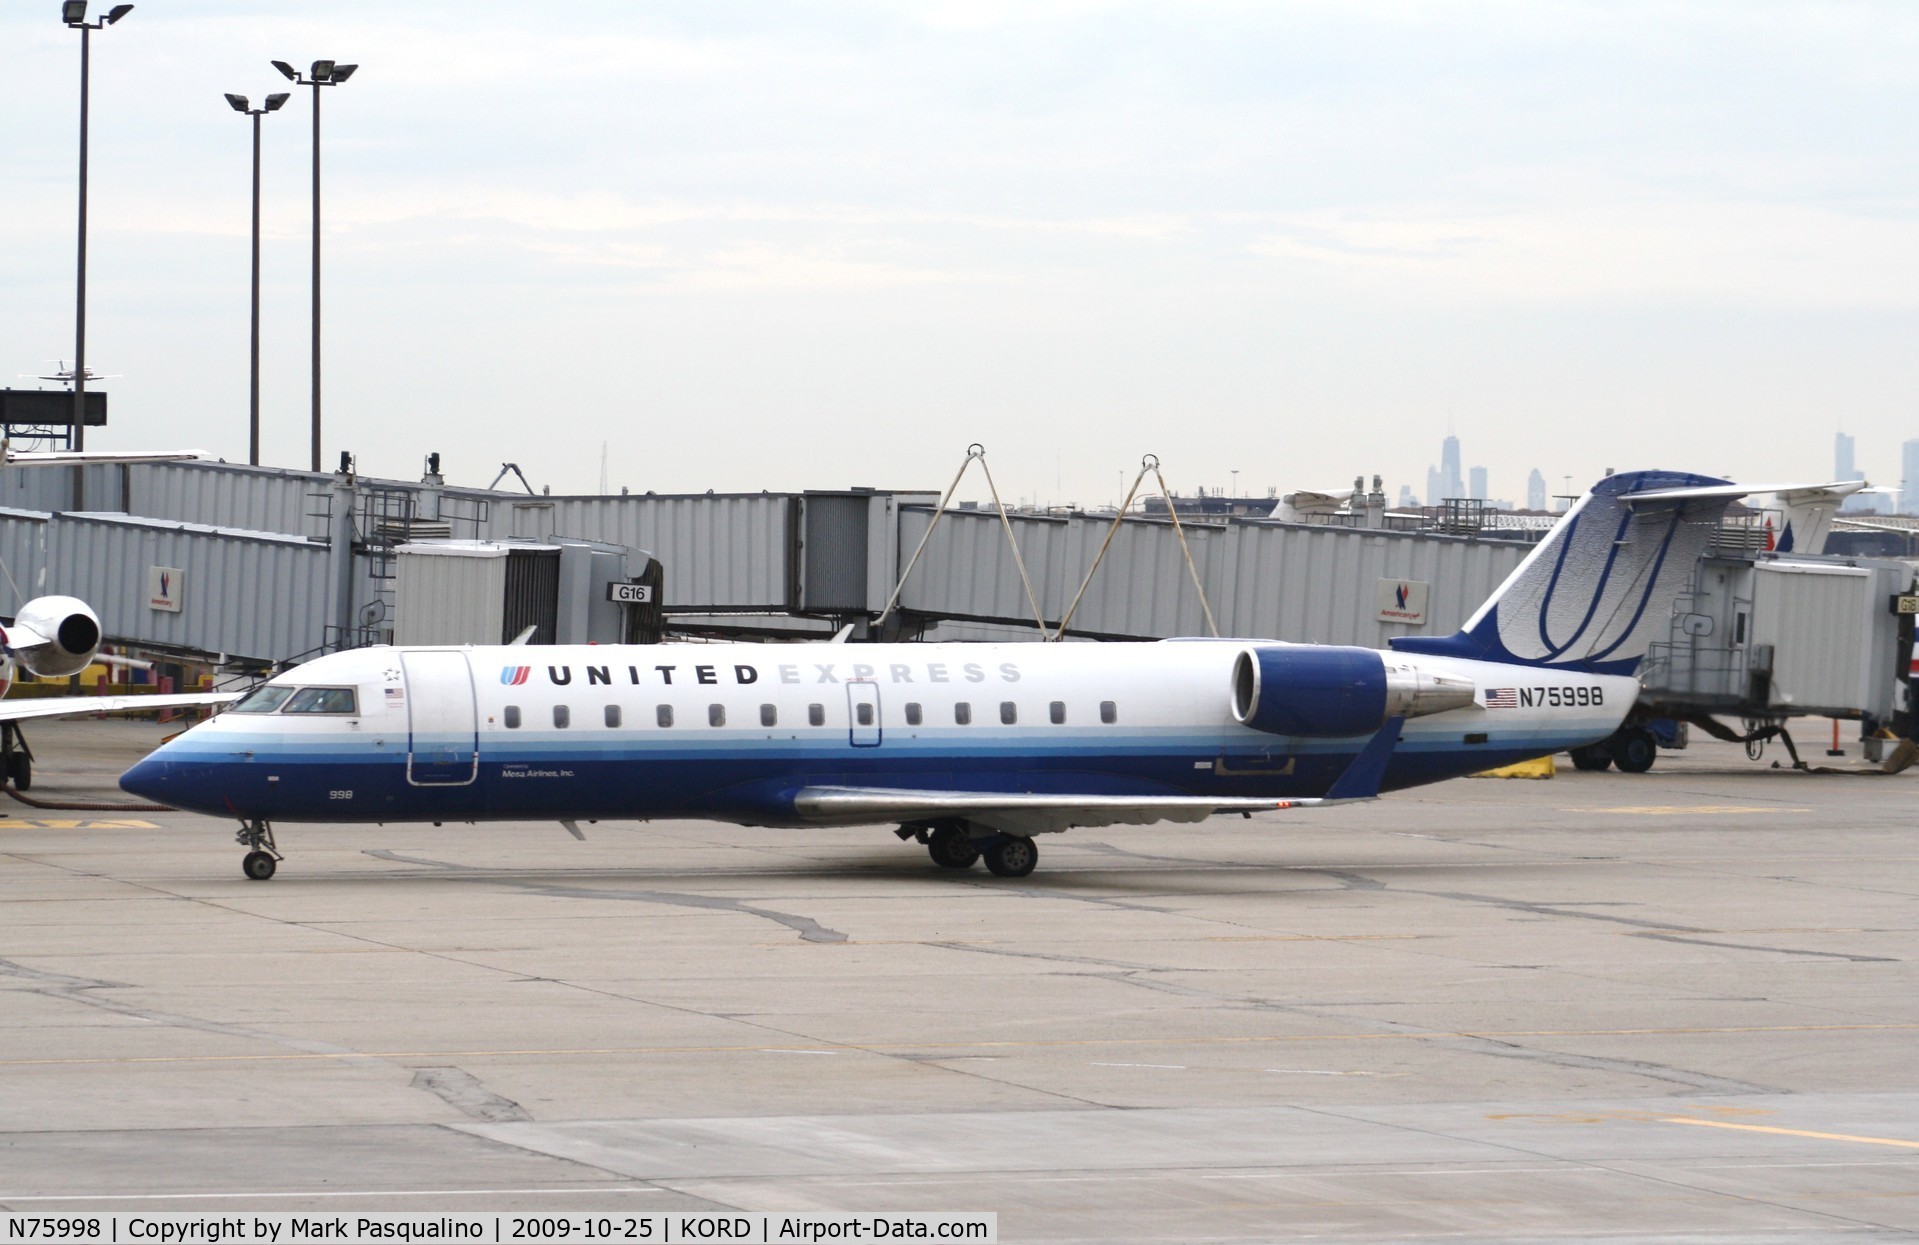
(1331, 692)
(55, 636)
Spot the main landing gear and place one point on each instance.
(264, 856)
(952, 845)
(16, 758)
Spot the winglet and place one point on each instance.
(1367, 770)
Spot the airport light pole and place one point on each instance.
(239, 104)
(322, 73)
(74, 14)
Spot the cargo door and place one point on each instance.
(443, 721)
(863, 713)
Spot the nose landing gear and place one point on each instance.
(264, 856)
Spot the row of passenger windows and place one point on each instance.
(863, 714)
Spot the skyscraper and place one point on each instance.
(1477, 488)
(1909, 477)
(1445, 481)
(1843, 469)
(1535, 491)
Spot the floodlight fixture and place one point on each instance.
(73, 12)
(321, 71)
(342, 72)
(117, 12)
(238, 102)
(293, 75)
(275, 101)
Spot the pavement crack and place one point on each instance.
(56, 983)
(1747, 946)
(806, 927)
(1702, 1081)
(463, 1091)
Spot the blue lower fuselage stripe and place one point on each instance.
(573, 775)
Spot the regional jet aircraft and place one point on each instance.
(972, 749)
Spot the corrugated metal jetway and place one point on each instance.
(256, 595)
(1301, 582)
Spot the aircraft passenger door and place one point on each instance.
(443, 720)
(863, 713)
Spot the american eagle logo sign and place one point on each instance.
(513, 676)
(1401, 601)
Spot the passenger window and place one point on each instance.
(1057, 711)
(613, 717)
(562, 717)
(1008, 712)
(963, 713)
(913, 714)
(263, 700)
(769, 715)
(664, 715)
(1108, 712)
(816, 715)
(716, 715)
(864, 713)
(511, 716)
(322, 700)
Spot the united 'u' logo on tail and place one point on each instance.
(513, 676)
(1595, 593)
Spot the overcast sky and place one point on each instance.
(816, 245)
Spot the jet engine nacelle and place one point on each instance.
(1333, 692)
(54, 636)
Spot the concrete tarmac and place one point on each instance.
(1677, 1006)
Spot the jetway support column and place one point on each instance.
(340, 542)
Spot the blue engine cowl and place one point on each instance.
(1315, 690)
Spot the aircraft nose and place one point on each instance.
(148, 779)
(169, 780)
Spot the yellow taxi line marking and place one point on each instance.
(71, 823)
(1792, 1132)
(1666, 810)
(882, 1048)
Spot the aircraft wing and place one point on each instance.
(1018, 813)
(80, 706)
(48, 458)
(1029, 813)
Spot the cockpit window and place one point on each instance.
(323, 700)
(262, 700)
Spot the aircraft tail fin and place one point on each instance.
(1598, 590)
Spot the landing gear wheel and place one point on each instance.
(1013, 856)
(1634, 750)
(263, 854)
(1592, 757)
(20, 771)
(951, 848)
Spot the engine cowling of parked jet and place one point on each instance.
(1332, 692)
(53, 637)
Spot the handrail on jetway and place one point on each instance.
(1149, 463)
(973, 452)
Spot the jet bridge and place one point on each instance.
(1766, 637)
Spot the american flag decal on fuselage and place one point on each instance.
(1502, 698)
